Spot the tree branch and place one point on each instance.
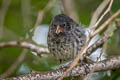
(24, 45)
(83, 70)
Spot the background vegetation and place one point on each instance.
(19, 18)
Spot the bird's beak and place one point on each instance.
(58, 30)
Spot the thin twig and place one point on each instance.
(98, 11)
(99, 20)
(106, 23)
(108, 9)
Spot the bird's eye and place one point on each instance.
(54, 25)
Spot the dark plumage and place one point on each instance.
(65, 38)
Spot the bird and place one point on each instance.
(65, 38)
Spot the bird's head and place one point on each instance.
(62, 24)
